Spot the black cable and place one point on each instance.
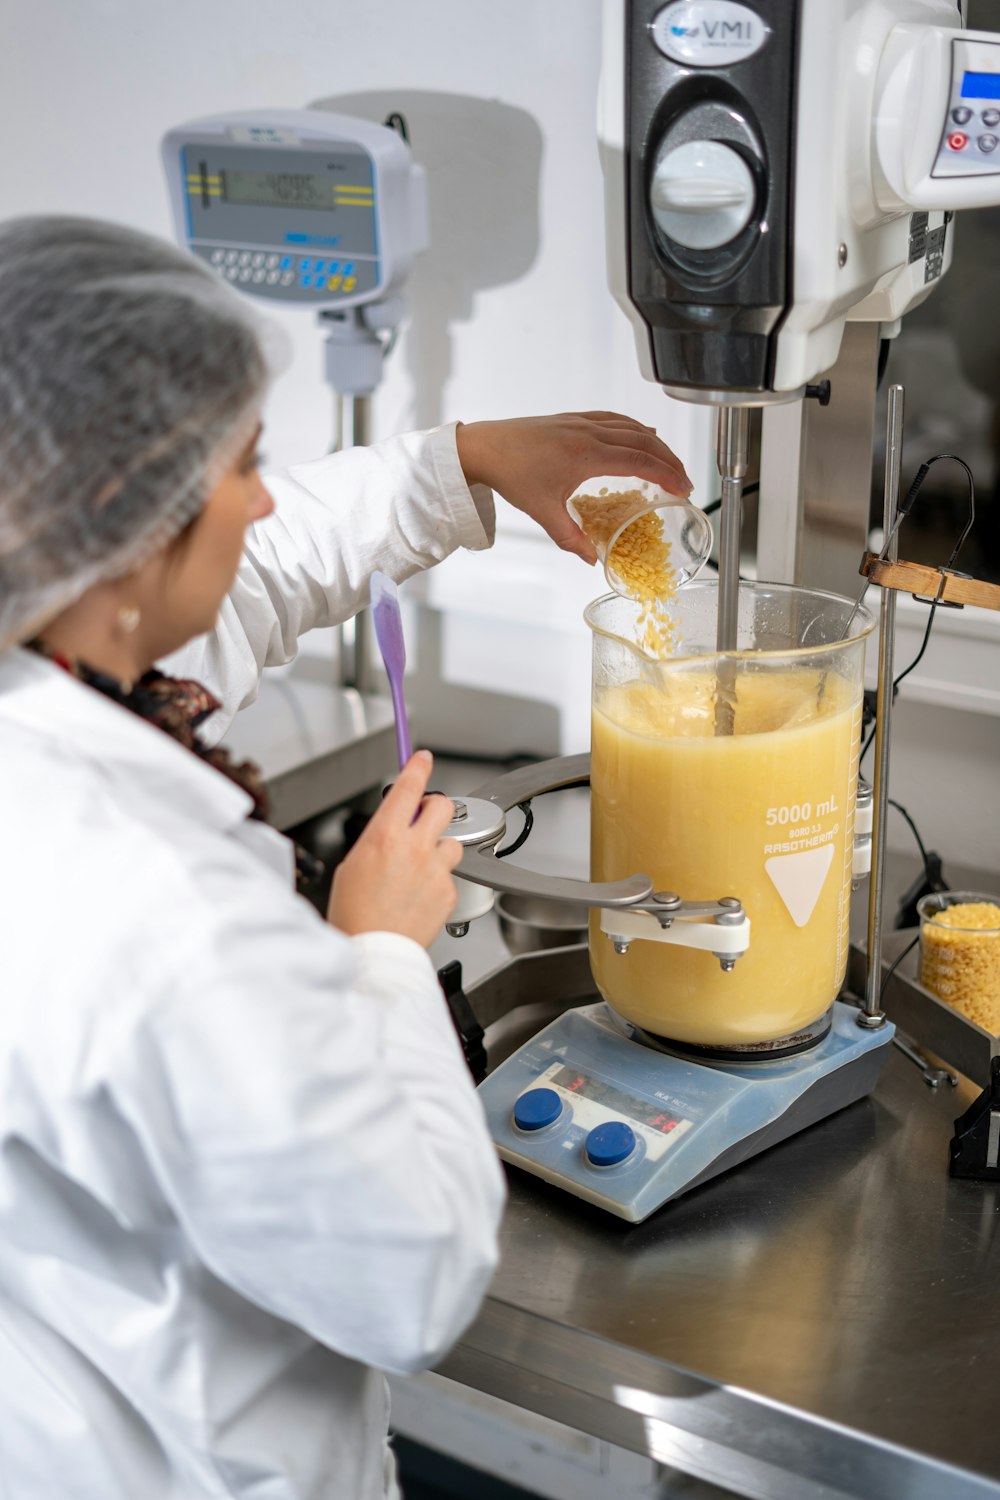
(890, 971)
(514, 761)
(904, 510)
(714, 505)
(923, 647)
(913, 829)
(883, 359)
(529, 823)
(897, 680)
(914, 489)
(397, 122)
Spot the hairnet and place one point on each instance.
(130, 378)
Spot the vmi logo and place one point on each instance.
(708, 33)
(723, 30)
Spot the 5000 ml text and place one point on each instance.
(799, 812)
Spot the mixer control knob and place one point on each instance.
(610, 1143)
(702, 194)
(536, 1109)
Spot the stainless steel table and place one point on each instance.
(819, 1323)
(318, 744)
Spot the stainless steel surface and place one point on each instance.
(482, 868)
(935, 1026)
(529, 980)
(528, 923)
(512, 787)
(815, 475)
(817, 1324)
(883, 708)
(353, 421)
(317, 744)
(932, 1075)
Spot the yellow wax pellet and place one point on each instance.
(960, 959)
(640, 560)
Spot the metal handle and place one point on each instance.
(635, 893)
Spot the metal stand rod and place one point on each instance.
(353, 417)
(872, 1015)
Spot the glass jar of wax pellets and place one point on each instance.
(960, 953)
(649, 541)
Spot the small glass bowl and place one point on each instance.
(684, 527)
(961, 964)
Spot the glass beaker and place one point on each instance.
(649, 541)
(960, 953)
(729, 774)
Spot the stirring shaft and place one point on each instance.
(731, 452)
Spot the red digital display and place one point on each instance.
(626, 1104)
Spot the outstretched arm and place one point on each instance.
(536, 463)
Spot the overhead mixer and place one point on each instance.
(772, 171)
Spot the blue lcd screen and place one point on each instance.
(981, 86)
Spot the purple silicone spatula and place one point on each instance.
(389, 634)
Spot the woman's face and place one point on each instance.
(193, 576)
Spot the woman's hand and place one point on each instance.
(397, 878)
(536, 463)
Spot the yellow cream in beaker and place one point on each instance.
(765, 813)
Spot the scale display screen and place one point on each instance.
(981, 86)
(605, 1093)
(277, 189)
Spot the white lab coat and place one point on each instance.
(241, 1159)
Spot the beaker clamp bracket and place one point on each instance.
(720, 927)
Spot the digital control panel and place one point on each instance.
(970, 142)
(299, 206)
(628, 1127)
(290, 225)
(590, 1102)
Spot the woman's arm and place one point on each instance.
(402, 506)
(399, 506)
(304, 1105)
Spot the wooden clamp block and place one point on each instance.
(934, 585)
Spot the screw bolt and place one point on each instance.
(841, 256)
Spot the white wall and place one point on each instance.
(502, 112)
(510, 310)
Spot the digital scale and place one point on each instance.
(307, 210)
(298, 207)
(628, 1127)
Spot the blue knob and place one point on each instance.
(610, 1143)
(537, 1108)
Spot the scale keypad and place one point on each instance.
(320, 277)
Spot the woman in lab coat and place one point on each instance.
(242, 1164)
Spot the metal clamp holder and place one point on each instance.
(631, 908)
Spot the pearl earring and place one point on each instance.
(128, 618)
